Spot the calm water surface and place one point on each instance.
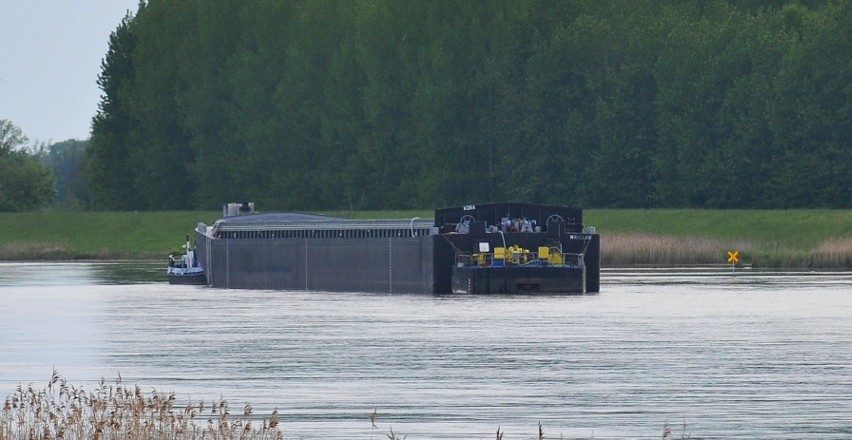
(750, 355)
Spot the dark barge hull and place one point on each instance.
(516, 280)
(422, 260)
(391, 265)
(196, 279)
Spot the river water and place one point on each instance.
(751, 355)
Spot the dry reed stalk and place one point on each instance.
(667, 431)
(395, 436)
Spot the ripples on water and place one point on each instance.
(749, 355)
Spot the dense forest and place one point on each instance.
(389, 104)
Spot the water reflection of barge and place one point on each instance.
(492, 248)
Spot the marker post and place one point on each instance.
(733, 258)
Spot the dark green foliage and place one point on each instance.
(68, 162)
(378, 104)
(811, 115)
(25, 183)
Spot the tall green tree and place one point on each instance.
(389, 40)
(160, 153)
(811, 115)
(112, 171)
(11, 137)
(242, 158)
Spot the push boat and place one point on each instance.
(502, 248)
(186, 269)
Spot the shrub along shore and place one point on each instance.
(630, 238)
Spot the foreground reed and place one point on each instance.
(116, 411)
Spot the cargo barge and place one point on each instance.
(477, 249)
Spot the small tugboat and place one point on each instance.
(186, 270)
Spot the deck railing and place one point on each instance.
(522, 258)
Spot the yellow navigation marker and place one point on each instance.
(733, 256)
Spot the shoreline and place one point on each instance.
(800, 239)
(611, 261)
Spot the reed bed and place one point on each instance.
(636, 249)
(832, 252)
(34, 251)
(643, 249)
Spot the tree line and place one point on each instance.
(388, 104)
(42, 175)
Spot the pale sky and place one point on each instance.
(50, 58)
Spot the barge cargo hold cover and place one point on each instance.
(491, 248)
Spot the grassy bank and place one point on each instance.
(95, 235)
(660, 237)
